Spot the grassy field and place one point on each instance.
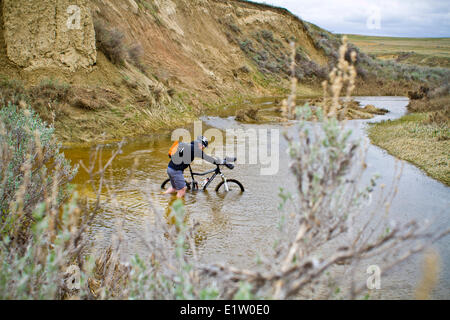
(434, 52)
(422, 137)
(427, 145)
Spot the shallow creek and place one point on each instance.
(236, 228)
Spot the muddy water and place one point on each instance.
(237, 228)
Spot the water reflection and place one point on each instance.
(236, 228)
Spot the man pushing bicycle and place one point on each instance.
(182, 154)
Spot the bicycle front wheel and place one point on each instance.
(233, 185)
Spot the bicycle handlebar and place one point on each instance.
(230, 166)
(227, 162)
(230, 159)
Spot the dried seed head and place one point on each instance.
(22, 104)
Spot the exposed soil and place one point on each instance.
(194, 58)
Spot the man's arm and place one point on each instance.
(210, 159)
(200, 154)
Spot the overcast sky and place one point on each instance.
(402, 18)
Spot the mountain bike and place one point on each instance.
(225, 185)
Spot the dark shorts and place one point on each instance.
(176, 178)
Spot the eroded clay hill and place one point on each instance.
(180, 56)
(49, 34)
(202, 45)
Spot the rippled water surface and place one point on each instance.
(237, 228)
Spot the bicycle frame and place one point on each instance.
(216, 172)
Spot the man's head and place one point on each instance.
(202, 142)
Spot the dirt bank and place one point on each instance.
(168, 62)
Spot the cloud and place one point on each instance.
(415, 18)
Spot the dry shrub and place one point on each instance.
(50, 99)
(427, 105)
(26, 142)
(108, 274)
(267, 35)
(440, 91)
(92, 99)
(42, 232)
(419, 94)
(50, 90)
(362, 72)
(310, 69)
(307, 68)
(270, 56)
(171, 92)
(244, 69)
(12, 91)
(135, 54)
(247, 115)
(440, 117)
(42, 228)
(158, 93)
(234, 28)
(86, 104)
(111, 42)
(436, 102)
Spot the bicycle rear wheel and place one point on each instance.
(165, 184)
(233, 185)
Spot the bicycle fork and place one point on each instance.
(225, 183)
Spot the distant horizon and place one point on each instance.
(374, 36)
(379, 18)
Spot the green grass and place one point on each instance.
(434, 52)
(411, 138)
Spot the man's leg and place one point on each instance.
(178, 183)
(170, 190)
(181, 193)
